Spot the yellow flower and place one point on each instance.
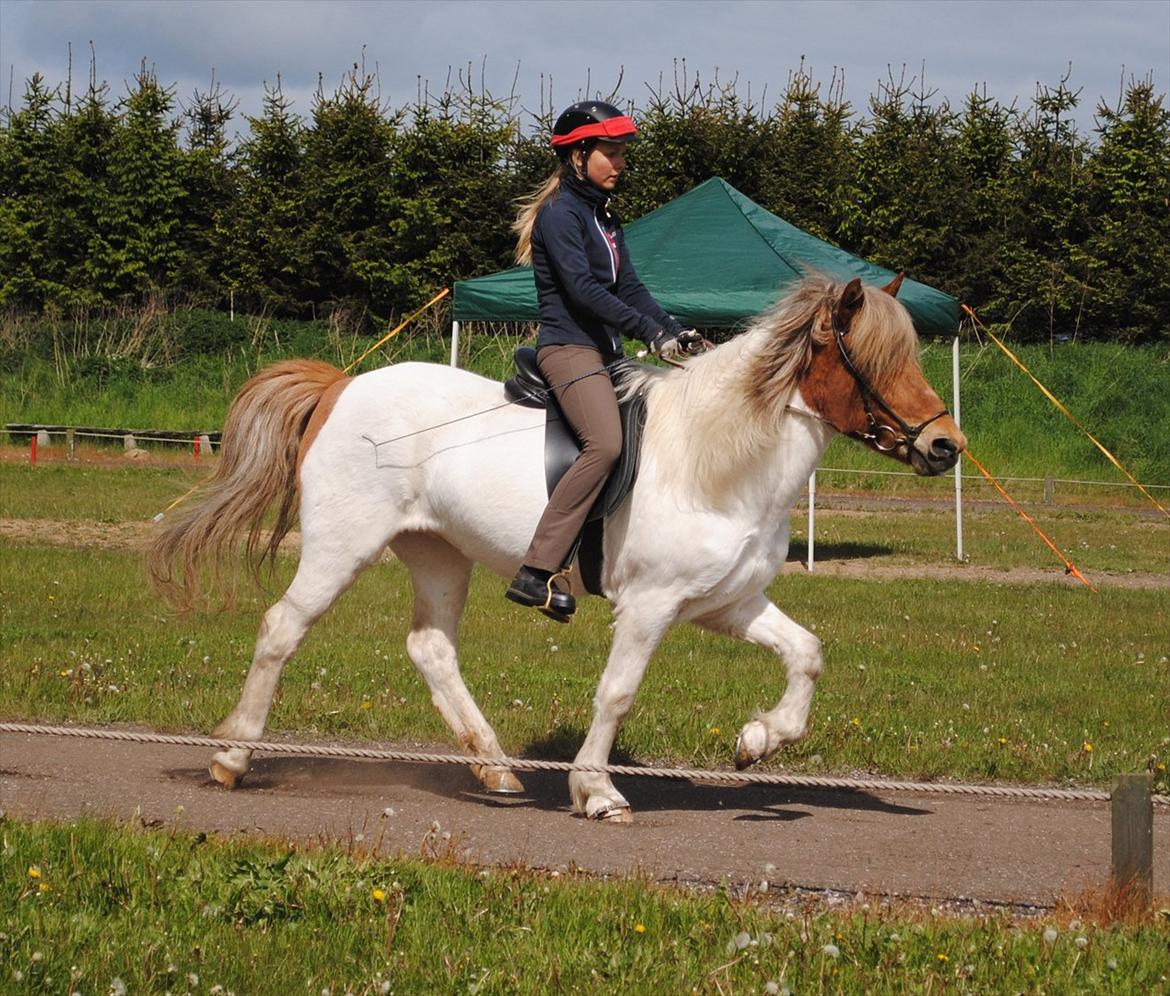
(367, 705)
(855, 721)
(379, 896)
(942, 957)
(43, 887)
(639, 928)
(1161, 765)
(715, 731)
(1001, 741)
(1087, 747)
(34, 871)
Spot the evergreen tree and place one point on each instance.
(32, 271)
(901, 210)
(808, 156)
(1043, 290)
(262, 231)
(140, 224)
(209, 186)
(1126, 255)
(353, 260)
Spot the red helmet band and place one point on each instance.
(619, 127)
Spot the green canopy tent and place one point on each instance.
(713, 258)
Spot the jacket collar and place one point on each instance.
(585, 190)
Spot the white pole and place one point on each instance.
(812, 500)
(454, 344)
(959, 465)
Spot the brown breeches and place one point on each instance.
(591, 408)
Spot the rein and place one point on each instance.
(878, 434)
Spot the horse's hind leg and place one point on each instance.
(326, 570)
(440, 575)
(758, 621)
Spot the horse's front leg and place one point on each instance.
(758, 621)
(636, 634)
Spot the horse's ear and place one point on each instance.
(892, 287)
(849, 304)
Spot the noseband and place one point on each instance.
(878, 433)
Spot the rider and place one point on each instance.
(589, 296)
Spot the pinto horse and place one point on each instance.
(432, 462)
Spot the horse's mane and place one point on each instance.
(707, 421)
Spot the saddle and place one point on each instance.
(529, 389)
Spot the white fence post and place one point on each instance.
(812, 500)
(959, 465)
(454, 344)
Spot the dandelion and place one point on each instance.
(831, 950)
(1081, 941)
(1087, 747)
(34, 871)
(117, 987)
(855, 721)
(1001, 741)
(714, 731)
(379, 895)
(1050, 935)
(639, 928)
(367, 705)
(44, 887)
(942, 957)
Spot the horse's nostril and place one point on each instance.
(944, 448)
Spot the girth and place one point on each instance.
(561, 448)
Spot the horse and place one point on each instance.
(433, 463)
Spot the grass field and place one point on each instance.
(91, 908)
(925, 677)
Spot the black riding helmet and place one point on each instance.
(590, 121)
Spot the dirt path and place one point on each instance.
(943, 847)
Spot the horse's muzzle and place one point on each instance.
(937, 455)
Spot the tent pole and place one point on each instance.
(959, 465)
(812, 496)
(454, 344)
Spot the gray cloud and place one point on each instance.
(1007, 46)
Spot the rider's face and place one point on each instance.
(605, 164)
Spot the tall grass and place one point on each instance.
(198, 361)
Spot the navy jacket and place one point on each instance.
(588, 291)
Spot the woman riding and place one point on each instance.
(589, 297)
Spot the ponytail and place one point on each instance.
(527, 210)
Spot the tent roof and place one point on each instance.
(713, 258)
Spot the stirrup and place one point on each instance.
(547, 608)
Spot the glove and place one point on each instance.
(666, 346)
(691, 342)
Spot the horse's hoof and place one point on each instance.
(226, 777)
(750, 745)
(613, 814)
(500, 781)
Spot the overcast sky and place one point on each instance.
(1006, 46)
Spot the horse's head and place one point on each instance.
(865, 379)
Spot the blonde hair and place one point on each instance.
(527, 209)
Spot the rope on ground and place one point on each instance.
(1069, 566)
(530, 764)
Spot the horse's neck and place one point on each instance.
(759, 463)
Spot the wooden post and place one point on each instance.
(71, 445)
(1049, 491)
(1133, 835)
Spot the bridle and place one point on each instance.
(878, 433)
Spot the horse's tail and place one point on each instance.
(258, 468)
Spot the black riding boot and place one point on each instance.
(536, 588)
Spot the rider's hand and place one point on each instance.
(690, 341)
(666, 346)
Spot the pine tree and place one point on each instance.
(1126, 255)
